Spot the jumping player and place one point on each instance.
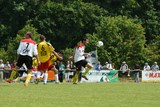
(79, 59)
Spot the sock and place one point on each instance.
(13, 74)
(45, 77)
(28, 78)
(56, 77)
(75, 78)
(38, 74)
(86, 71)
(17, 79)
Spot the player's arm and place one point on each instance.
(36, 53)
(54, 52)
(57, 55)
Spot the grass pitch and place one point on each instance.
(120, 94)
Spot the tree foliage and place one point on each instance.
(129, 28)
(124, 40)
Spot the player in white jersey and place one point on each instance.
(79, 59)
(26, 50)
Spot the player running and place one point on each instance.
(26, 50)
(54, 58)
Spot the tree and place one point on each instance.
(67, 23)
(123, 40)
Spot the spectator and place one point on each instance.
(67, 71)
(155, 67)
(105, 66)
(109, 66)
(125, 70)
(146, 67)
(61, 71)
(98, 66)
(136, 72)
(7, 70)
(1, 69)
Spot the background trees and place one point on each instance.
(129, 28)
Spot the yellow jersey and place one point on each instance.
(53, 58)
(44, 51)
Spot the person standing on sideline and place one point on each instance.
(79, 59)
(61, 71)
(26, 50)
(155, 67)
(146, 67)
(67, 71)
(99, 66)
(1, 69)
(7, 70)
(136, 72)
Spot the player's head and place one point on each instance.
(42, 37)
(84, 41)
(28, 35)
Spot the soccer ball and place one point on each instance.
(100, 43)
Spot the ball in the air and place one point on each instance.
(100, 43)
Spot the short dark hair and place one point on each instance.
(42, 37)
(29, 34)
(83, 39)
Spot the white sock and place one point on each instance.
(42, 75)
(56, 77)
(45, 77)
(38, 74)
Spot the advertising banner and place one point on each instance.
(150, 76)
(102, 76)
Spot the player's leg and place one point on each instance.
(75, 78)
(55, 73)
(77, 72)
(28, 62)
(37, 78)
(13, 75)
(88, 67)
(45, 77)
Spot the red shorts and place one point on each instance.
(51, 66)
(44, 66)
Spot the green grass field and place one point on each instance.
(120, 94)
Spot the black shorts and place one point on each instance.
(27, 60)
(80, 64)
(20, 72)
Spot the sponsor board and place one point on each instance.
(101, 76)
(150, 76)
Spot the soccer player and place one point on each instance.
(45, 50)
(55, 57)
(26, 50)
(79, 59)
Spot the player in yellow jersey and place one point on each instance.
(35, 71)
(54, 57)
(45, 50)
